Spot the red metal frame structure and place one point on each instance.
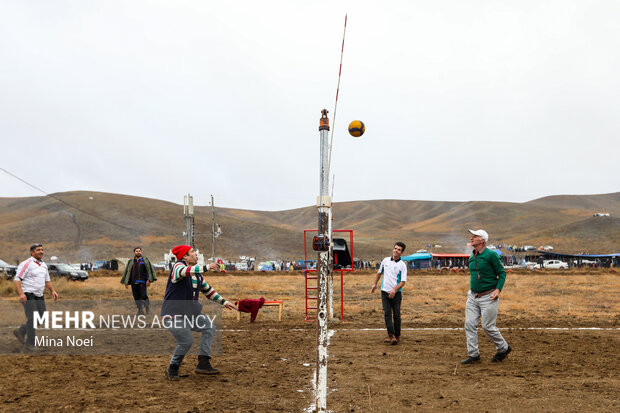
(312, 300)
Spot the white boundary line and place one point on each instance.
(462, 329)
(447, 329)
(502, 328)
(240, 330)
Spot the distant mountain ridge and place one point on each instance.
(564, 221)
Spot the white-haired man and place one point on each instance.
(487, 278)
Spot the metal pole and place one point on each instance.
(331, 272)
(188, 211)
(191, 215)
(323, 204)
(331, 248)
(212, 229)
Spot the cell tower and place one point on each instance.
(188, 211)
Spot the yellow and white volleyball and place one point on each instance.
(357, 128)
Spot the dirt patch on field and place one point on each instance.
(547, 371)
(260, 371)
(269, 366)
(266, 371)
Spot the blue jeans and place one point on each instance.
(185, 340)
(392, 306)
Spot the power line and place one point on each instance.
(69, 204)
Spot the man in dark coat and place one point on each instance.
(139, 273)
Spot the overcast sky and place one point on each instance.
(462, 100)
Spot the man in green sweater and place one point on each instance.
(487, 277)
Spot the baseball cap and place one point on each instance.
(481, 233)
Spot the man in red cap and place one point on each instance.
(181, 301)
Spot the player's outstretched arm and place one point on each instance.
(374, 285)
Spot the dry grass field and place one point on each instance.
(558, 364)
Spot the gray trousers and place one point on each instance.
(185, 339)
(487, 309)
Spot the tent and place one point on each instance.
(266, 266)
(418, 260)
(417, 256)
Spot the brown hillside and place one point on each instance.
(601, 234)
(590, 203)
(565, 222)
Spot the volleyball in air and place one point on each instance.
(357, 128)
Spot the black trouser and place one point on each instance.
(392, 306)
(140, 296)
(32, 304)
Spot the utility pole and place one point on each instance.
(188, 211)
(213, 236)
(321, 243)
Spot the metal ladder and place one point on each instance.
(311, 294)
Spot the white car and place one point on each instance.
(241, 266)
(531, 265)
(7, 270)
(555, 265)
(160, 266)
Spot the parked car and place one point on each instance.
(555, 265)
(7, 270)
(65, 270)
(160, 266)
(530, 265)
(241, 266)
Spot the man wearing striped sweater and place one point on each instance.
(185, 284)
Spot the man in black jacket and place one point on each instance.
(139, 273)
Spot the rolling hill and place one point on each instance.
(108, 225)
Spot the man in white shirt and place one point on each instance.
(31, 280)
(394, 272)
